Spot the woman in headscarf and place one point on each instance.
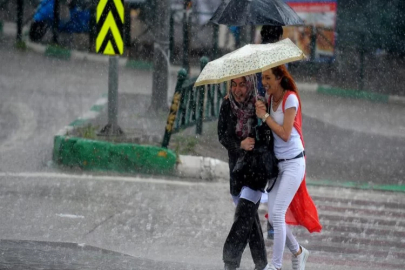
(236, 132)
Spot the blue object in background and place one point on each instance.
(235, 30)
(44, 12)
(78, 22)
(270, 231)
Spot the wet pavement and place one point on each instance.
(64, 220)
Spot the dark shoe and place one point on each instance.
(229, 267)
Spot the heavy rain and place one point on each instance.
(115, 142)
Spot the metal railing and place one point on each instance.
(192, 106)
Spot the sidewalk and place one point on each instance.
(180, 225)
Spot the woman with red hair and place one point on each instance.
(289, 201)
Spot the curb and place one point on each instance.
(106, 156)
(351, 93)
(134, 64)
(213, 169)
(354, 185)
(203, 168)
(57, 52)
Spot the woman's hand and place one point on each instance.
(260, 109)
(248, 144)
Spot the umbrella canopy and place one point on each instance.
(255, 12)
(250, 59)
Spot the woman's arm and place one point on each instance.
(283, 131)
(226, 138)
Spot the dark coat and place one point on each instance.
(254, 173)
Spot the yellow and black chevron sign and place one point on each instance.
(110, 27)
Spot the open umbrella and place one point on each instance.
(250, 59)
(255, 12)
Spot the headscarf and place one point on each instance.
(245, 111)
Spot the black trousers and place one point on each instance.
(245, 229)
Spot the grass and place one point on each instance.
(184, 145)
(88, 132)
(20, 45)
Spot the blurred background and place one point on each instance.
(350, 44)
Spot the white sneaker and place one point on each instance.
(298, 262)
(266, 268)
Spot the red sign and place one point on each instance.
(319, 26)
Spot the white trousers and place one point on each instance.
(291, 174)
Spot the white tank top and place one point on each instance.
(291, 148)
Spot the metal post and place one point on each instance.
(252, 34)
(246, 34)
(215, 43)
(161, 59)
(186, 37)
(201, 96)
(181, 77)
(112, 128)
(171, 46)
(20, 15)
(112, 90)
(127, 26)
(56, 19)
(313, 43)
(92, 26)
(362, 56)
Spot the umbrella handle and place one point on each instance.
(259, 120)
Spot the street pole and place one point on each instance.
(171, 47)
(201, 98)
(103, 11)
(92, 26)
(313, 43)
(215, 43)
(112, 128)
(127, 27)
(362, 56)
(55, 26)
(161, 58)
(20, 15)
(186, 36)
(113, 93)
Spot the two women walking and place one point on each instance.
(289, 202)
